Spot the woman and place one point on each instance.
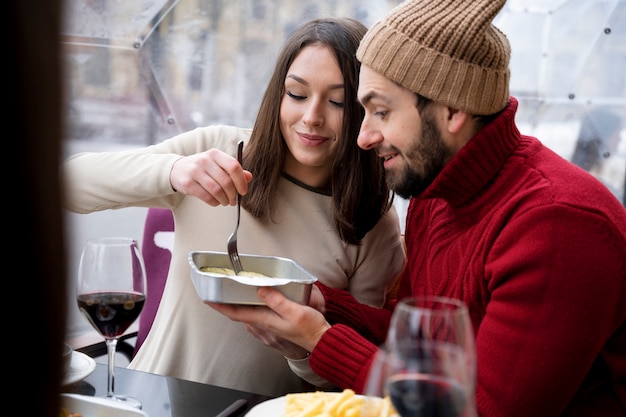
(310, 194)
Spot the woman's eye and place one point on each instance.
(339, 104)
(295, 96)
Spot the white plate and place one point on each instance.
(98, 407)
(271, 408)
(81, 367)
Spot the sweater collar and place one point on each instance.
(475, 165)
(305, 186)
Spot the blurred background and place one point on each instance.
(568, 69)
(139, 72)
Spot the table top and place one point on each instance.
(164, 396)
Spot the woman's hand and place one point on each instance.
(213, 176)
(286, 320)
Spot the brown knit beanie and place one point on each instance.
(445, 50)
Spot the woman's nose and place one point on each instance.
(314, 115)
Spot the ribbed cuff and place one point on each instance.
(301, 368)
(343, 357)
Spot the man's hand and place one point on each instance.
(286, 320)
(282, 346)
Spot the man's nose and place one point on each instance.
(368, 138)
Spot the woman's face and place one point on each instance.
(311, 115)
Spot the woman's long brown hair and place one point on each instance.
(359, 191)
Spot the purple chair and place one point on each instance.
(157, 243)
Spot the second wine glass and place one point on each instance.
(111, 292)
(432, 339)
(423, 381)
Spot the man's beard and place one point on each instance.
(426, 158)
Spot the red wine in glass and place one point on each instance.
(111, 313)
(415, 395)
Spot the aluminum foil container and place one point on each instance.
(284, 274)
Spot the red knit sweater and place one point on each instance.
(537, 249)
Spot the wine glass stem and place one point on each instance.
(111, 348)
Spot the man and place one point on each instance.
(535, 246)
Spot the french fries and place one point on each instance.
(333, 404)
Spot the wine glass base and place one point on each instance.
(127, 400)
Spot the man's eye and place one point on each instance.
(380, 114)
(294, 96)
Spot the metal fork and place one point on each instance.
(233, 254)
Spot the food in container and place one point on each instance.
(286, 275)
(231, 272)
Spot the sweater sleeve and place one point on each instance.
(344, 354)
(302, 368)
(343, 357)
(139, 177)
(341, 307)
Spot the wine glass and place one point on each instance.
(377, 402)
(111, 292)
(430, 344)
(426, 380)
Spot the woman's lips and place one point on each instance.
(313, 140)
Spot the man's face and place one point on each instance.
(410, 143)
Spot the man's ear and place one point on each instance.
(456, 120)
